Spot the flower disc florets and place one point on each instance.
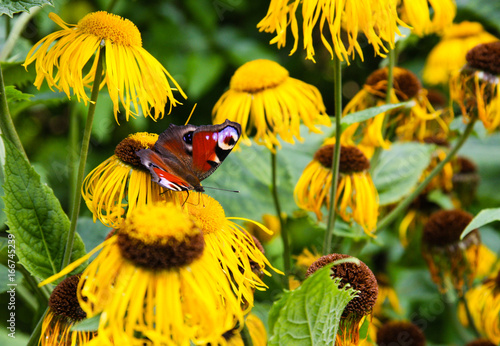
(127, 148)
(258, 75)
(393, 332)
(406, 84)
(160, 236)
(111, 27)
(64, 302)
(485, 57)
(351, 158)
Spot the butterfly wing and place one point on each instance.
(165, 173)
(210, 146)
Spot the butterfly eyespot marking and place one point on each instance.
(228, 138)
(188, 137)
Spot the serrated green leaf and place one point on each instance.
(310, 314)
(14, 95)
(368, 113)
(399, 170)
(484, 217)
(35, 217)
(9, 7)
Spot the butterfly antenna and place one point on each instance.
(217, 188)
(192, 111)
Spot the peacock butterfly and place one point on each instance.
(185, 155)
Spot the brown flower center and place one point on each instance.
(63, 300)
(406, 84)
(175, 253)
(394, 332)
(465, 165)
(359, 277)
(485, 57)
(444, 227)
(351, 158)
(127, 148)
(481, 342)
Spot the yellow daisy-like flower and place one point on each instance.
(356, 199)
(448, 56)
(306, 258)
(64, 312)
(417, 13)
(154, 283)
(121, 183)
(416, 122)
(240, 257)
(484, 306)
(262, 97)
(133, 76)
(377, 20)
(256, 329)
(476, 88)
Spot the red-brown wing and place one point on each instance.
(161, 172)
(210, 146)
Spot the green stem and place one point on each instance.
(469, 315)
(337, 76)
(390, 85)
(75, 208)
(284, 232)
(406, 202)
(245, 336)
(74, 121)
(35, 335)
(6, 124)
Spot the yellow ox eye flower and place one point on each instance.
(133, 76)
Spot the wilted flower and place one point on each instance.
(359, 278)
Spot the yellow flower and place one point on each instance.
(262, 97)
(256, 329)
(153, 283)
(476, 88)
(377, 20)
(417, 14)
(451, 261)
(133, 76)
(356, 199)
(271, 222)
(415, 122)
(448, 56)
(240, 257)
(64, 311)
(306, 258)
(121, 184)
(484, 305)
(360, 307)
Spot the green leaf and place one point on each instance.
(87, 325)
(9, 7)
(399, 170)
(484, 217)
(310, 314)
(35, 217)
(14, 95)
(368, 113)
(15, 74)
